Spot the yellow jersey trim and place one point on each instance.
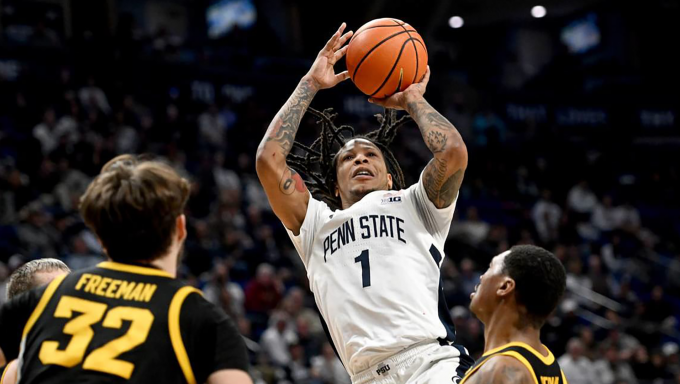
(547, 360)
(508, 353)
(120, 267)
(176, 335)
(4, 372)
(47, 295)
(470, 373)
(564, 378)
(524, 361)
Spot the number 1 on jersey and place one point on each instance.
(365, 268)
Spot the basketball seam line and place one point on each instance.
(415, 75)
(379, 26)
(393, 66)
(373, 49)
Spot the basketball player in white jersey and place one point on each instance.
(373, 262)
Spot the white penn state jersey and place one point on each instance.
(374, 272)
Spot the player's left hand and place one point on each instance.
(399, 99)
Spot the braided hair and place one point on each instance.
(318, 163)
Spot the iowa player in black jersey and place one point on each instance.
(513, 299)
(128, 320)
(33, 274)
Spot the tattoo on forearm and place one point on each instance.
(422, 112)
(291, 181)
(440, 189)
(436, 141)
(287, 121)
(442, 177)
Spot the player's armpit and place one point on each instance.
(3, 360)
(501, 370)
(230, 376)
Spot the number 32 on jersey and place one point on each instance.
(84, 315)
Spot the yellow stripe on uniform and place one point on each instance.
(524, 361)
(564, 378)
(470, 373)
(4, 371)
(547, 360)
(176, 335)
(120, 267)
(47, 295)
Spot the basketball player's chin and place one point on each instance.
(362, 190)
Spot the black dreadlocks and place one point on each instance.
(319, 162)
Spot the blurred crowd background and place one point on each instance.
(570, 121)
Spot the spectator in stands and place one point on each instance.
(93, 98)
(599, 279)
(298, 369)
(50, 132)
(581, 199)
(627, 217)
(224, 293)
(469, 276)
(327, 367)
(293, 305)
(576, 367)
(472, 231)
(38, 238)
(604, 216)
(80, 256)
(277, 339)
(546, 216)
(264, 292)
(642, 365)
(610, 369)
(212, 127)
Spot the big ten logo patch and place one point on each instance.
(391, 198)
(382, 369)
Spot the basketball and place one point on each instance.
(385, 56)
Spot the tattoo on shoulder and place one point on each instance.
(291, 181)
(501, 374)
(441, 191)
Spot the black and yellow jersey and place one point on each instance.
(118, 323)
(544, 369)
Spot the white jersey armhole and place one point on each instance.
(437, 221)
(304, 240)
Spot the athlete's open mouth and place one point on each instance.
(362, 173)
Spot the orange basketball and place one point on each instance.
(385, 56)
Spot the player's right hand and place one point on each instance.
(322, 72)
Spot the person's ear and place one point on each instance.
(506, 287)
(181, 227)
(389, 181)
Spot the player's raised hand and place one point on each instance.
(322, 72)
(399, 99)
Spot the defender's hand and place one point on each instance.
(322, 72)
